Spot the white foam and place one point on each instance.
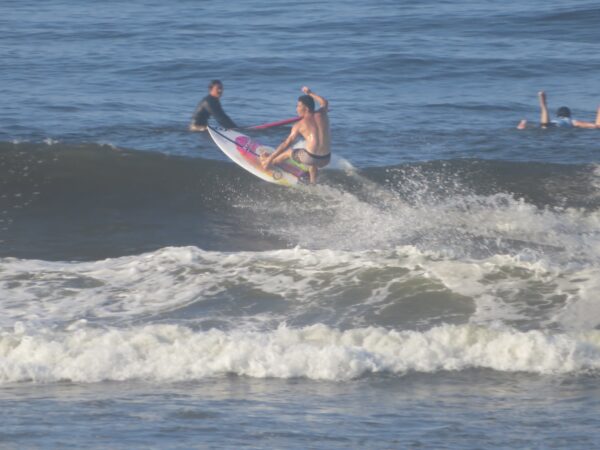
(506, 288)
(174, 353)
(462, 225)
(50, 141)
(341, 163)
(110, 145)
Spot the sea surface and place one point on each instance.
(439, 288)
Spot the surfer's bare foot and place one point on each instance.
(522, 125)
(264, 160)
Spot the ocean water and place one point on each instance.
(438, 289)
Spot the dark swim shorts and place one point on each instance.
(303, 156)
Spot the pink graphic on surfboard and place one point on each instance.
(251, 151)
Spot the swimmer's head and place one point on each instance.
(307, 101)
(563, 111)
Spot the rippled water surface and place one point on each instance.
(437, 289)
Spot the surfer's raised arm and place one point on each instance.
(323, 103)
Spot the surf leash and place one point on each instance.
(227, 138)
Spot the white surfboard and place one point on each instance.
(245, 152)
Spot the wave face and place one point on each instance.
(93, 201)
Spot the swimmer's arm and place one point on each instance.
(213, 106)
(581, 124)
(195, 117)
(323, 103)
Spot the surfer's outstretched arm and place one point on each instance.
(282, 147)
(582, 124)
(216, 110)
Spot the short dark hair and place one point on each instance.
(563, 111)
(307, 101)
(214, 83)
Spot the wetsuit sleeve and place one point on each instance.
(201, 114)
(216, 110)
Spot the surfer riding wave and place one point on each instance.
(314, 128)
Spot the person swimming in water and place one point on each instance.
(314, 128)
(563, 117)
(211, 106)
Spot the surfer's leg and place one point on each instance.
(544, 116)
(312, 172)
(522, 125)
(598, 117)
(281, 158)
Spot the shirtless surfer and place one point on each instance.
(314, 128)
(211, 106)
(563, 117)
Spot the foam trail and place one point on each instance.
(341, 163)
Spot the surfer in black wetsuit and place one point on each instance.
(211, 106)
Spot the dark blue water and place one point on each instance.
(438, 289)
(406, 82)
